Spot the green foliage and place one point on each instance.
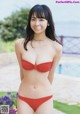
(14, 26)
(8, 46)
(9, 97)
(68, 109)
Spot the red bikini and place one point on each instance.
(34, 103)
(42, 67)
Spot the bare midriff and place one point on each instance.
(35, 84)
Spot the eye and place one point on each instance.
(41, 19)
(33, 19)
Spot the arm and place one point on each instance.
(55, 63)
(18, 54)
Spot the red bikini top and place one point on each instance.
(42, 67)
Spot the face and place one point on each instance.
(38, 25)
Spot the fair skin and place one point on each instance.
(35, 84)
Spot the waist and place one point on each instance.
(42, 83)
(37, 79)
(35, 90)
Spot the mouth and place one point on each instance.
(37, 28)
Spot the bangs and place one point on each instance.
(39, 12)
(39, 15)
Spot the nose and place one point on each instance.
(37, 22)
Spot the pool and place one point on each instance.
(69, 69)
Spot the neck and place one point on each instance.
(39, 37)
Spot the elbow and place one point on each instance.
(21, 75)
(50, 78)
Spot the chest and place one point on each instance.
(39, 55)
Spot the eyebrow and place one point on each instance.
(33, 17)
(37, 17)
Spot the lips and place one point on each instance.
(37, 28)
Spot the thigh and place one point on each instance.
(46, 107)
(23, 107)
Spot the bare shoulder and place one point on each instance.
(57, 47)
(19, 44)
(19, 41)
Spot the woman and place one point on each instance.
(38, 55)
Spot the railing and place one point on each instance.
(71, 44)
(71, 64)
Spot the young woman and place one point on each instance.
(38, 55)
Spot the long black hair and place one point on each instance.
(41, 11)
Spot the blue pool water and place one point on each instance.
(69, 69)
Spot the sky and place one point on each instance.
(61, 11)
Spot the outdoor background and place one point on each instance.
(66, 84)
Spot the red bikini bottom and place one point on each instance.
(34, 103)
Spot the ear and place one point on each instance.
(48, 24)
